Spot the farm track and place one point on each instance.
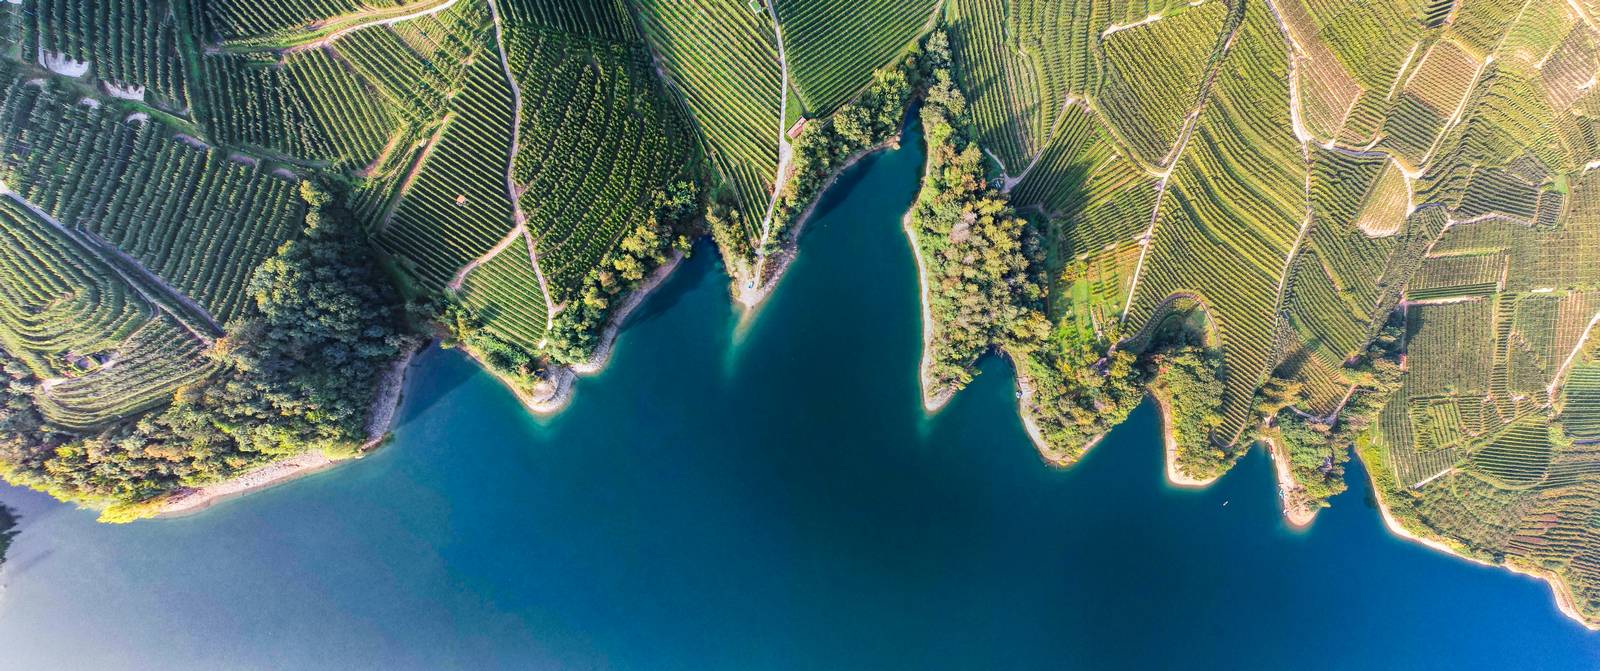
(1297, 121)
(1009, 182)
(1466, 99)
(511, 156)
(1404, 72)
(417, 164)
(1572, 358)
(750, 294)
(1201, 96)
(1296, 113)
(124, 263)
(1584, 14)
(315, 41)
(461, 275)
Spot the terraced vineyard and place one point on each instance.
(722, 57)
(61, 301)
(505, 293)
(836, 44)
(1152, 72)
(1377, 222)
(197, 217)
(1253, 155)
(102, 348)
(599, 136)
(1005, 96)
(133, 46)
(456, 206)
(1429, 165)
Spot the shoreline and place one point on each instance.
(560, 386)
(386, 403)
(1175, 476)
(778, 261)
(1031, 425)
(1563, 594)
(1297, 509)
(380, 419)
(1025, 393)
(193, 500)
(932, 401)
(608, 335)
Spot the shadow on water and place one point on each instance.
(845, 185)
(449, 379)
(688, 277)
(799, 514)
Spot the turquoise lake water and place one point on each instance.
(766, 495)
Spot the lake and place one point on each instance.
(760, 494)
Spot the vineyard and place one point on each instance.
(834, 45)
(1427, 160)
(1005, 97)
(1235, 193)
(246, 23)
(606, 20)
(599, 137)
(198, 218)
(504, 292)
(1381, 217)
(61, 302)
(722, 58)
(1151, 74)
(1580, 417)
(141, 373)
(103, 350)
(136, 50)
(313, 107)
(457, 206)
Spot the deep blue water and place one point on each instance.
(764, 495)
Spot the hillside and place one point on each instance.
(1328, 226)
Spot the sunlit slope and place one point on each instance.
(834, 45)
(722, 58)
(599, 135)
(104, 347)
(1428, 158)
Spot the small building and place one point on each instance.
(797, 128)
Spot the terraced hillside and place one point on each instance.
(723, 58)
(1322, 223)
(1427, 166)
(836, 44)
(517, 167)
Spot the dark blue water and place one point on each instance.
(765, 495)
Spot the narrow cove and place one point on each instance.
(760, 495)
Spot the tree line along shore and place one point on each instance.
(226, 222)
